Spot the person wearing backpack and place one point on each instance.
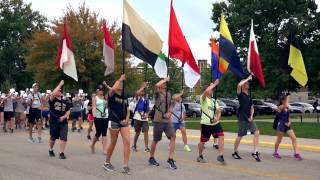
(210, 123)
(284, 126)
(179, 117)
(140, 118)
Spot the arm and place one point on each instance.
(106, 85)
(65, 116)
(210, 88)
(251, 113)
(217, 115)
(161, 82)
(94, 106)
(117, 84)
(144, 85)
(241, 83)
(56, 90)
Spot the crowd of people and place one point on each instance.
(109, 110)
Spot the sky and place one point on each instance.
(193, 17)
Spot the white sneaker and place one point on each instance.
(30, 140)
(187, 148)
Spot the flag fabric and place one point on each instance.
(253, 62)
(179, 49)
(293, 62)
(108, 50)
(215, 73)
(229, 58)
(65, 58)
(141, 40)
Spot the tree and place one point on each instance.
(17, 24)
(85, 31)
(272, 22)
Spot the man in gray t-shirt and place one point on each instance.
(162, 123)
(76, 112)
(8, 111)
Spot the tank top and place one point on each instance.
(101, 107)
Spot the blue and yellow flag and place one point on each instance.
(229, 58)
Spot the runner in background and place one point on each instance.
(90, 116)
(8, 111)
(45, 113)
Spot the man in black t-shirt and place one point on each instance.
(59, 112)
(245, 119)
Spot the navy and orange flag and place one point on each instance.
(215, 73)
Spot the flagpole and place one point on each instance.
(123, 60)
(167, 83)
(145, 78)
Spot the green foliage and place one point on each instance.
(17, 24)
(272, 22)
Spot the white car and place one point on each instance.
(305, 107)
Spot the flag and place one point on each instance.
(108, 50)
(229, 58)
(292, 62)
(215, 73)
(65, 58)
(253, 62)
(141, 40)
(179, 49)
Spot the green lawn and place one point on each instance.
(302, 130)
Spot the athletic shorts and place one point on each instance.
(141, 126)
(45, 114)
(90, 118)
(283, 128)
(76, 115)
(116, 125)
(59, 131)
(244, 126)
(210, 130)
(179, 125)
(34, 115)
(1, 109)
(8, 115)
(159, 128)
(101, 125)
(18, 115)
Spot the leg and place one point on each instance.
(63, 145)
(51, 144)
(278, 141)
(153, 148)
(201, 147)
(256, 140)
(293, 138)
(172, 146)
(39, 125)
(135, 139)
(184, 136)
(237, 143)
(114, 137)
(30, 129)
(90, 128)
(221, 145)
(146, 139)
(125, 133)
(80, 121)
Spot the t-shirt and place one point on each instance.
(118, 106)
(160, 107)
(35, 100)
(76, 106)
(177, 112)
(58, 108)
(244, 108)
(208, 107)
(20, 106)
(8, 105)
(142, 108)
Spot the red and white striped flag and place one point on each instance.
(65, 59)
(108, 50)
(254, 63)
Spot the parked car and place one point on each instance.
(305, 107)
(192, 109)
(231, 103)
(295, 109)
(260, 108)
(225, 110)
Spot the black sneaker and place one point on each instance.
(11, 130)
(89, 137)
(153, 161)
(51, 153)
(81, 127)
(221, 159)
(171, 164)
(256, 156)
(146, 150)
(73, 129)
(5, 130)
(62, 156)
(215, 146)
(134, 148)
(235, 155)
(108, 167)
(79, 130)
(126, 170)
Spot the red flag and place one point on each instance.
(108, 50)
(179, 49)
(65, 58)
(254, 63)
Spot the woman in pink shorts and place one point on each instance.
(90, 118)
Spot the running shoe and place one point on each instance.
(221, 159)
(11, 130)
(256, 156)
(108, 167)
(276, 155)
(146, 149)
(5, 130)
(215, 146)
(187, 148)
(79, 130)
(126, 170)
(235, 155)
(39, 140)
(89, 137)
(51, 153)
(200, 159)
(153, 162)
(134, 148)
(297, 157)
(62, 156)
(31, 140)
(172, 164)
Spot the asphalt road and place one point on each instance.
(21, 160)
